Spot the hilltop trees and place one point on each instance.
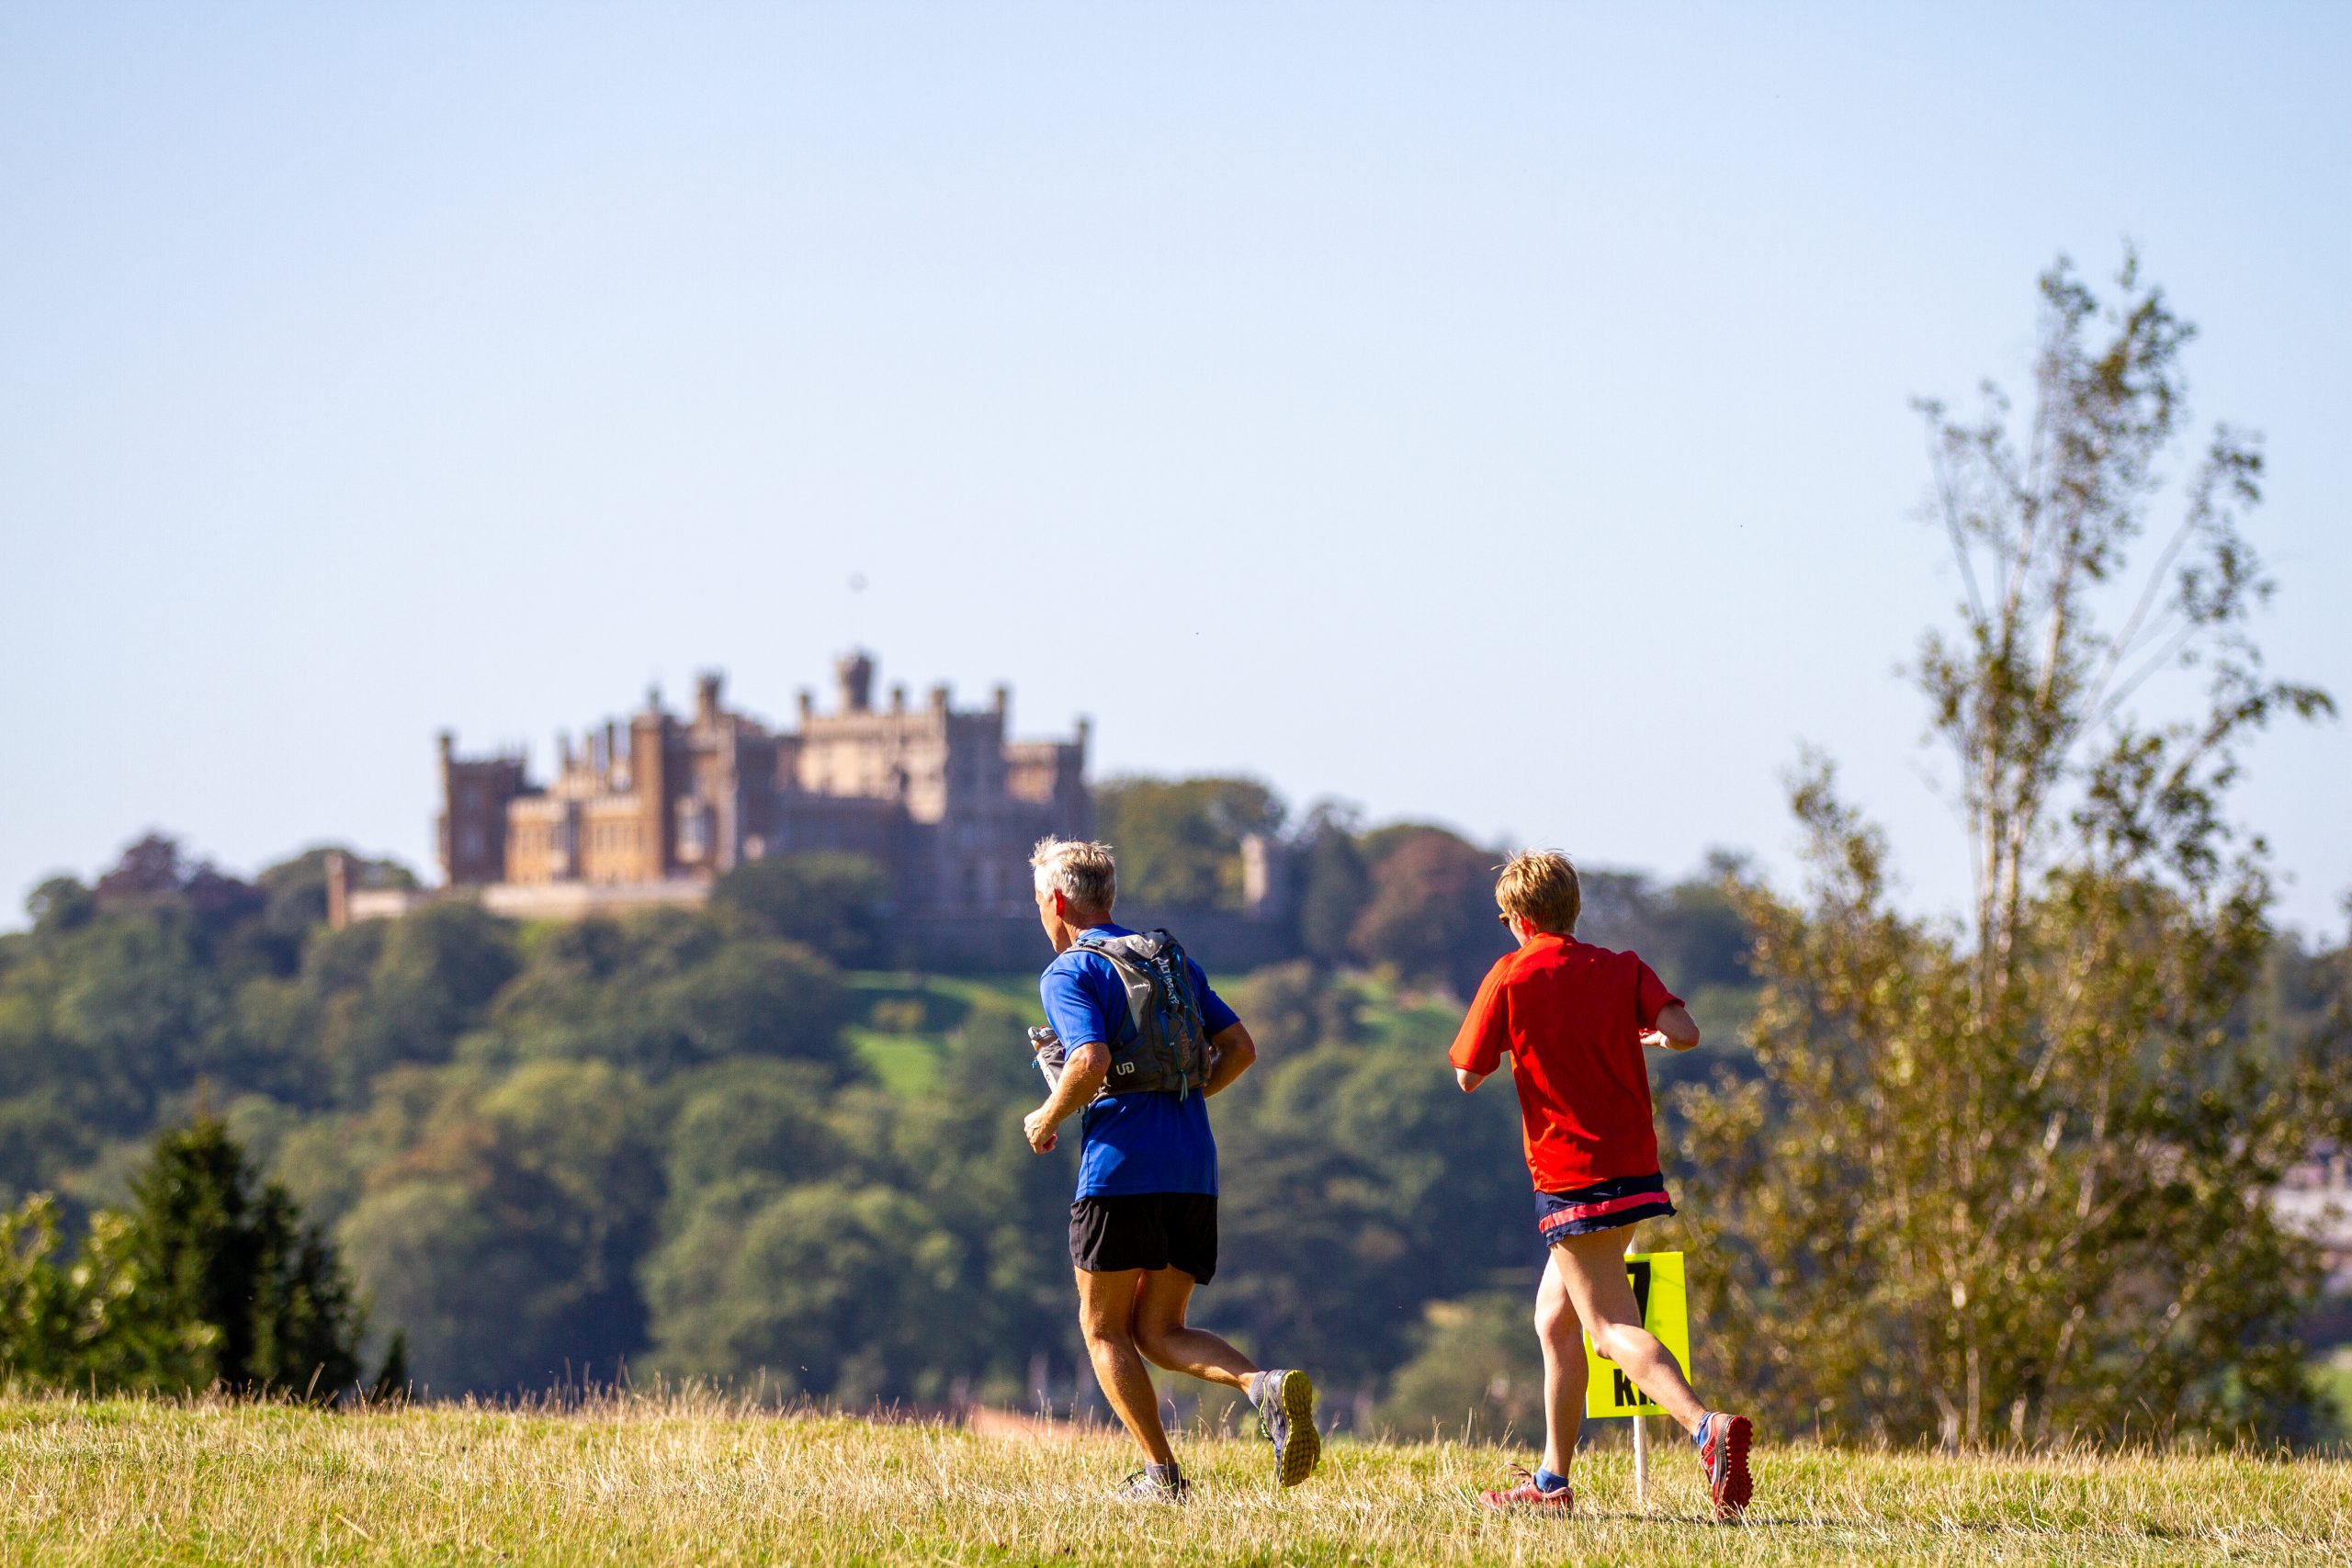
(2008, 1181)
(837, 904)
(1179, 839)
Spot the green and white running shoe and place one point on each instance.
(1286, 1415)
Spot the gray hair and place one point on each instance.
(1083, 872)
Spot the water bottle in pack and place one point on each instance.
(1047, 1050)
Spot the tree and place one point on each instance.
(154, 872)
(1179, 840)
(1475, 1366)
(83, 1324)
(2006, 1182)
(827, 1286)
(1335, 886)
(1433, 913)
(504, 1232)
(837, 904)
(218, 1248)
(666, 989)
(295, 898)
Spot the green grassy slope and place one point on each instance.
(903, 1018)
(671, 1482)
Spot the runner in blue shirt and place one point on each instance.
(1143, 1229)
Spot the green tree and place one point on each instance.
(838, 905)
(744, 1118)
(83, 1324)
(294, 899)
(2004, 1182)
(949, 1228)
(824, 1287)
(1475, 1368)
(1335, 887)
(503, 1230)
(1179, 840)
(667, 989)
(375, 996)
(219, 1248)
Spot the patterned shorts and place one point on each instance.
(1603, 1206)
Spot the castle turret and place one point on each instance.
(855, 670)
(650, 780)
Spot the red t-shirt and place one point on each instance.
(1571, 1015)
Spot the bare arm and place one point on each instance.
(1083, 1070)
(1676, 1031)
(1231, 1051)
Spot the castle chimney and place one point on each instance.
(939, 698)
(856, 671)
(807, 705)
(1002, 699)
(611, 744)
(898, 697)
(707, 687)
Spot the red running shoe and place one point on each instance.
(1723, 1452)
(1565, 1500)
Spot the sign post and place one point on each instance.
(1659, 1292)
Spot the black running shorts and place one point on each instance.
(1146, 1230)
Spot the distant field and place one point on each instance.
(679, 1483)
(904, 1020)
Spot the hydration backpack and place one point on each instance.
(1166, 1045)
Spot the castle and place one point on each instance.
(652, 809)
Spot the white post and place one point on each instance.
(1641, 1442)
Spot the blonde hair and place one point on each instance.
(1082, 871)
(1540, 886)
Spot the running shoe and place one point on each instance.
(1527, 1491)
(1145, 1487)
(1286, 1415)
(1723, 1452)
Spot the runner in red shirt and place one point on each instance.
(1574, 1018)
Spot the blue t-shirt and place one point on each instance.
(1131, 1143)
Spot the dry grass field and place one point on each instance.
(701, 1482)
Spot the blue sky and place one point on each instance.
(1490, 414)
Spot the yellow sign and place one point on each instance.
(1657, 1278)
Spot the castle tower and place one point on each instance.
(855, 670)
(650, 781)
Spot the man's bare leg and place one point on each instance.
(1161, 1333)
(1561, 1333)
(1285, 1399)
(1106, 1312)
(1592, 1270)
